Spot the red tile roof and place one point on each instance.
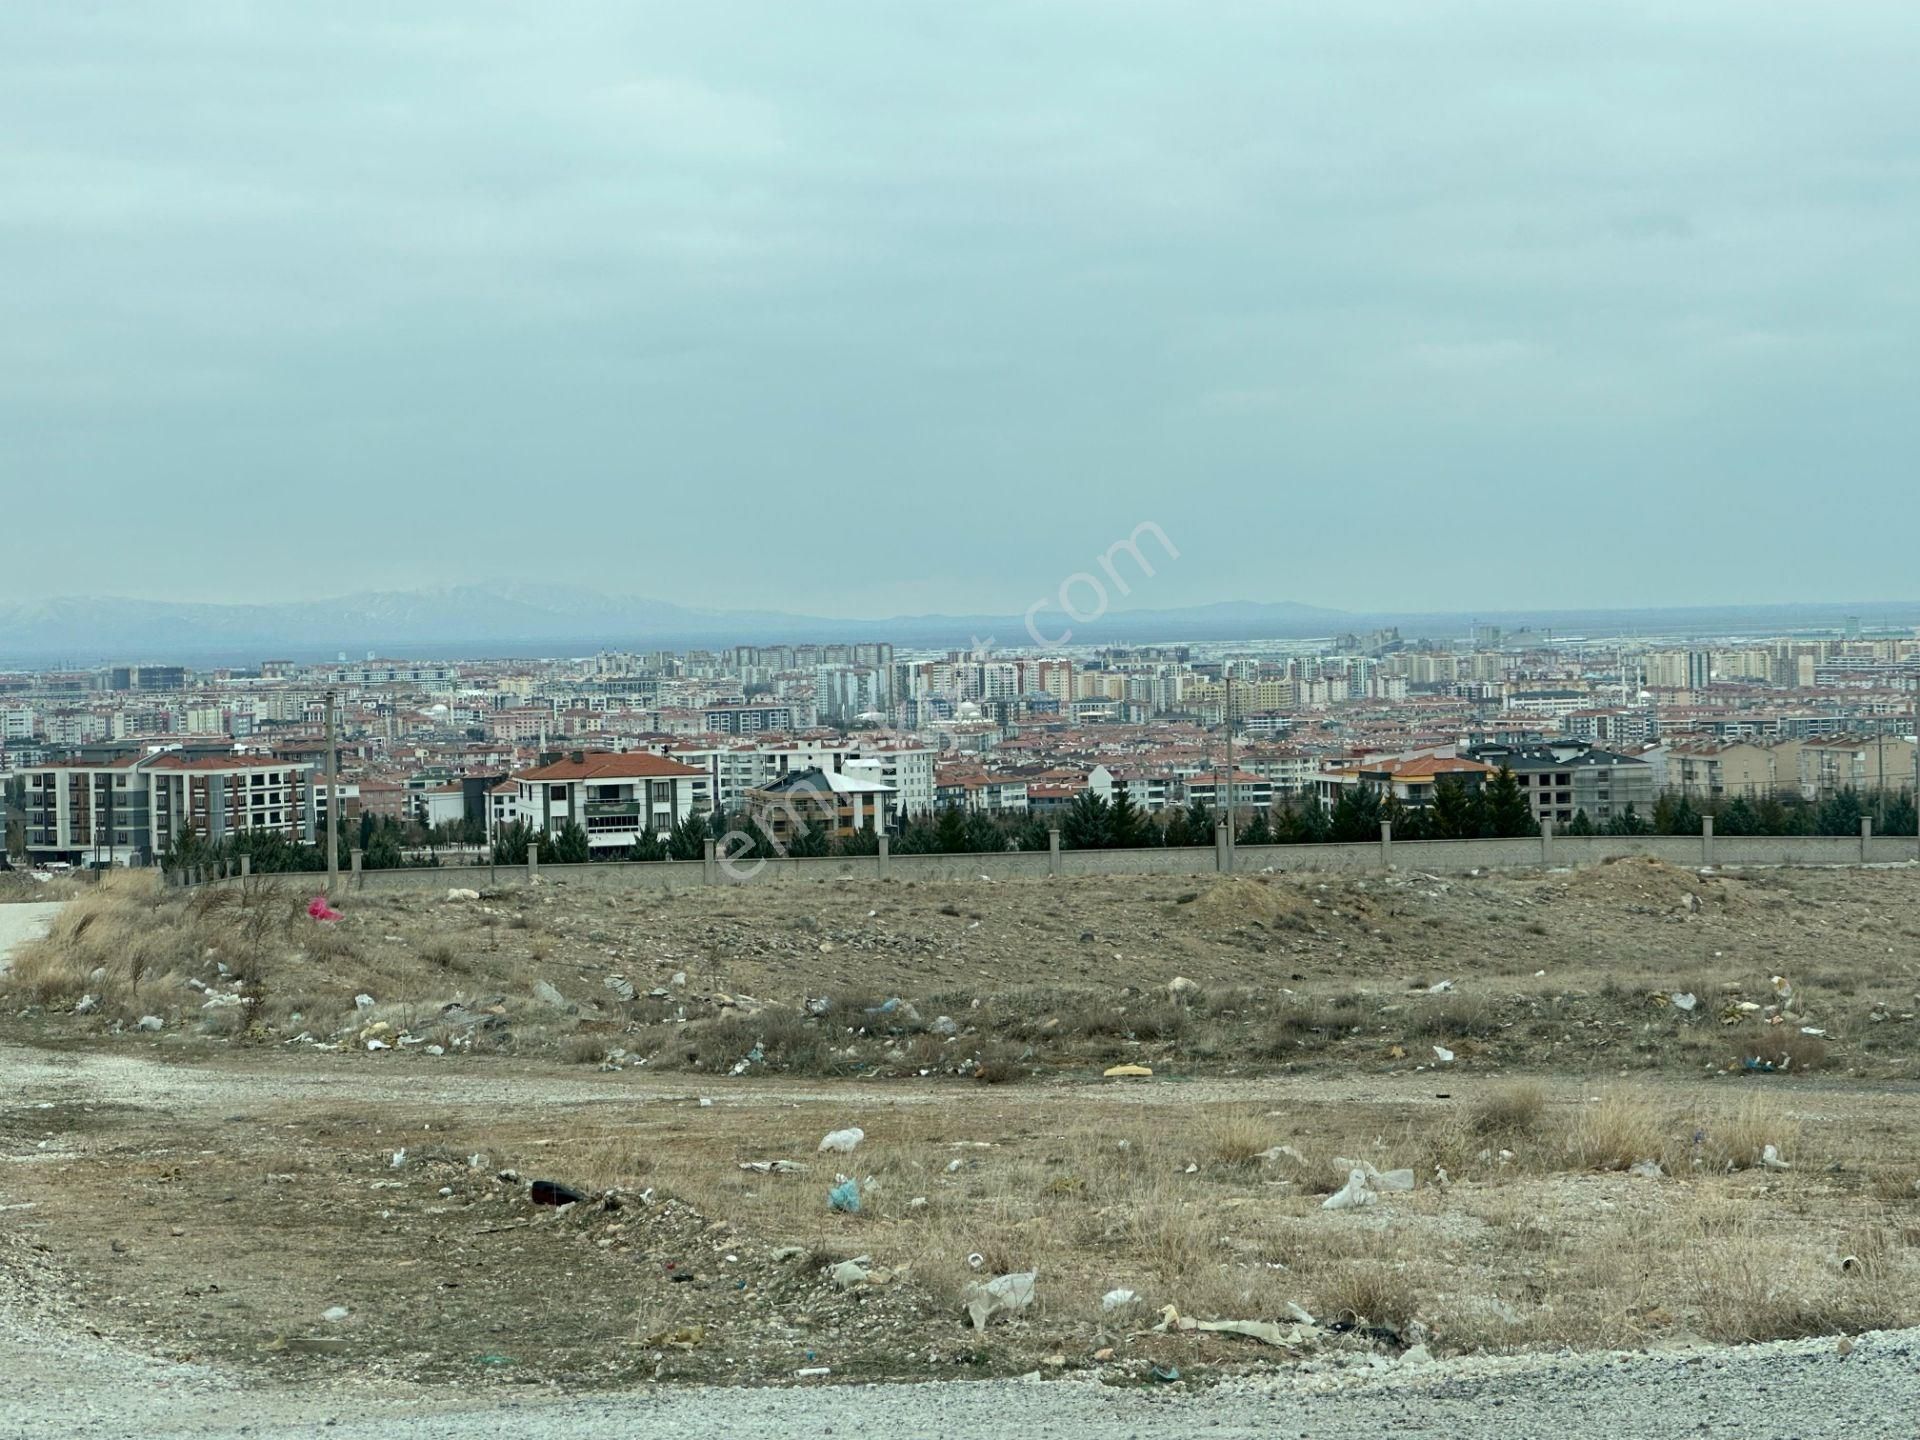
(598, 765)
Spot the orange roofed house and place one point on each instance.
(613, 797)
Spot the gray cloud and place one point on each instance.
(1378, 306)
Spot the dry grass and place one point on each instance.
(1515, 1112)
(1620, 1129)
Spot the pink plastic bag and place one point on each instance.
(318, 909)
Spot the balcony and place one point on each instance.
(600, 808)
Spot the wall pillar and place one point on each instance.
(246, 866)
(1706, 839)
(1386, 843)
(1053, 851)
(533, 859)
(1866, 834)
(1546, 841)
(709, 862)
(886, 849)
(359, 859)
(1222, 851)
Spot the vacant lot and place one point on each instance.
(1590, 1168)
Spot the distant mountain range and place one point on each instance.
(511, 618)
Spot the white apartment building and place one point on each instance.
(614, 798)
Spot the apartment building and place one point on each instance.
(977, 792)
(614, 798)
(1409, 779)
(129, 809)
(812, 800)
(1722, 769)
(1561, 780)
(1855, 763)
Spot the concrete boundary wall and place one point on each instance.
(1545, 851)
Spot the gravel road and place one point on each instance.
(1803, 1389)
(56, 1379)
(23, 922)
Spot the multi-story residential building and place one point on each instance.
(1855, 763)
(1411, 779)
(1562, 780)
(828, 802)
(1722, 769)
(1248, 793)
(979, 792)
(129, 809)
(615, 798)
(1153, 790)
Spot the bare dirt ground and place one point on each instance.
(211, 1192)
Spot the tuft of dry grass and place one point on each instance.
(1514, 1112)
(1236, 1136)
(1619, 1129)
(1366, 1292)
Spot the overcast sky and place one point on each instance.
(862, 308)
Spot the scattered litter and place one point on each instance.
(152, 1022)
(843, 1141)
(318, 909)
(682, 1337)
(976, 1261)
(1814, 1030)
(844, 1198)
(1351, 1196)
(1684, 1001)
(1443, 1055)
(1647, 1170)
(363, 1002)
(457, 893)
(399, 1159)
(1264, 1331)
(1279, 1152)
(1166, 1374)
(1004, 1294)
(1299, 1312)
(773, 1167)
(813, 1372)
(849, 1273)
(335, 1314)
(945, 1025)
(621, 987)
(1115, 1299)
(552, 1192)
(1439, 987)
(1181, 985)
(88, 1004)
(788, 1252)
(1770, 1159)
(1127, 1072)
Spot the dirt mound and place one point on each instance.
(1647, 881)
(1236, 901)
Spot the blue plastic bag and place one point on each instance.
(845, 1197)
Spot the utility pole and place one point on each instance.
(333, 807)
(1231, 829)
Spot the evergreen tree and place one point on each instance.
(1840, 813)
(688, 841)
(864, 841)
(1356, 815)
(1084, 826)
(570, 844)
(1629, 822)
(984, 835)
(1508, 815)
(1738, 816)
(1029, 833)
(510, 847)
(1673, 814)
(647, 846)
(1127, 825)
(1257, 831)
(950, 832)
(809, 842)
(1899, 818)
(1174, 833)
(1458, 812)
(1581, 824)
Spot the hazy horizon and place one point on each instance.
(881, 309)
